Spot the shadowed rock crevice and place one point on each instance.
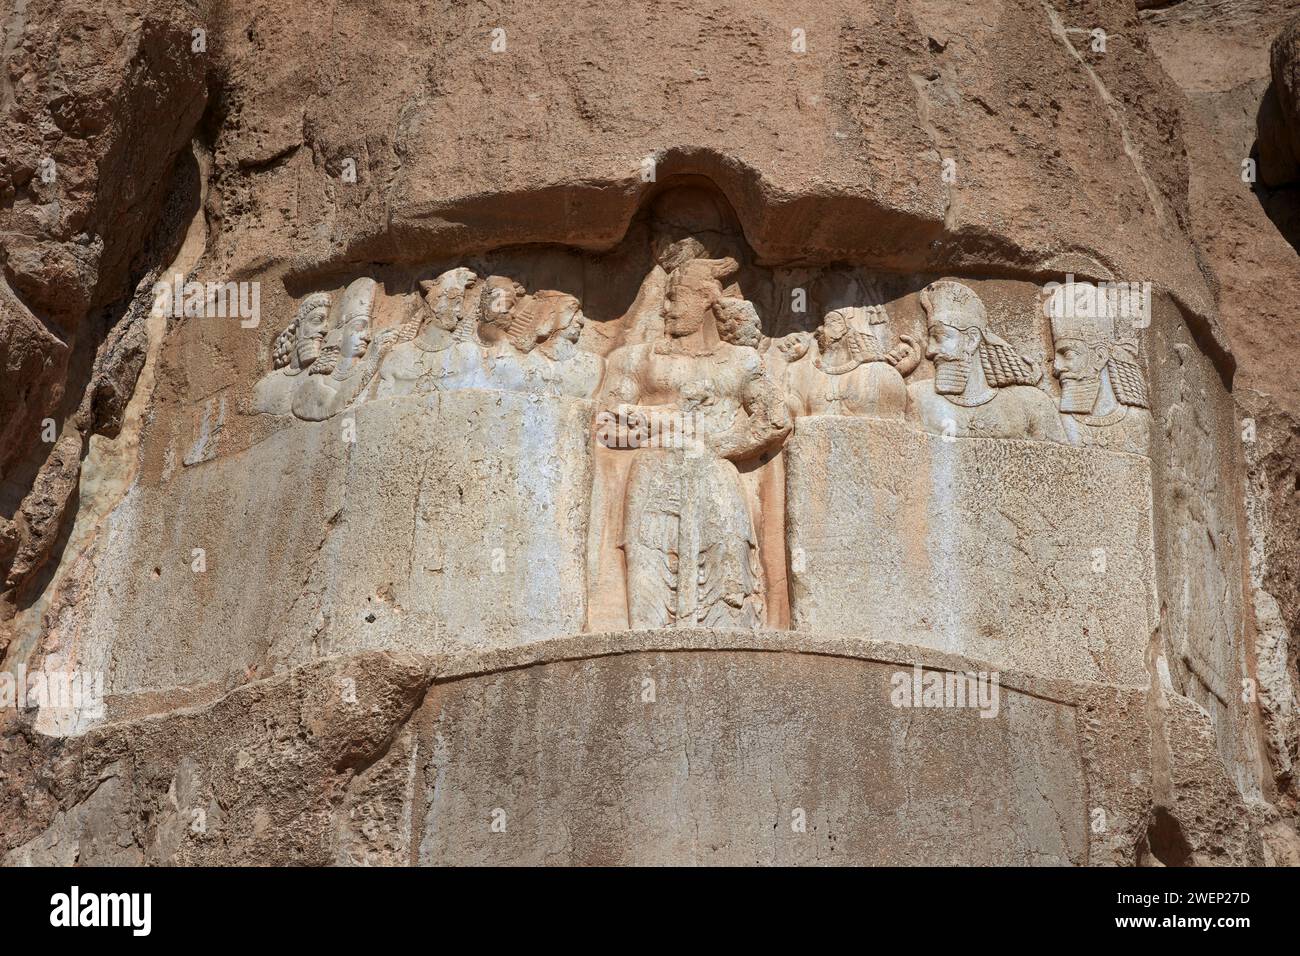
(101, 377)
(1164, 843)
(84, 185)
(1277, 149)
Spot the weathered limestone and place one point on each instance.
(747, 747)
(848, 370)
(1103, 388)
(438, 479)
(469, 523)
(981, 387)
(845, 407)
(409, 524)
(672, 501)
(1031, 555)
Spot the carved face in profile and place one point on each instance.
(946, 343)
(445, 298)
(355, 337)
(951, 349)
(832, 330)
(1078, 366)
(689, 299)
(499, 297)
(311, 332)
(570, 323)
(545, 319)
(343, 347)
(561, 318)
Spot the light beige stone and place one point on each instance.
(1028, 554)
(614, 749)
(458, 517)
(359, 574)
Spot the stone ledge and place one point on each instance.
(403, 759)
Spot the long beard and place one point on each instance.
(1079, 397)
(308, 351)
(951, 375)
(329, 360)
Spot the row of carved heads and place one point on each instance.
(1096, 356)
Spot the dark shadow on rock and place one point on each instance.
(1276, 153)
(1164, 843)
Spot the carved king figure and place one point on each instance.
(688, 534)
(441, 355)
(1103, 391)
(296, 348)
(982, 387)
(349, 357)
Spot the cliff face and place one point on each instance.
(323, 336)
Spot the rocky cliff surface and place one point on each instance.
(375, 621)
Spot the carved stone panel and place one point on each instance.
(410, 524)
(878, 784)
(469, 517)
(1026, 554)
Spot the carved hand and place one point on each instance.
(905, 356)
(794, 346)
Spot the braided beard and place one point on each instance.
(308, 351)
(951, 375)
(327, 361)
(1079, 397)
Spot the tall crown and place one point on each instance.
(1079, 310)
(358, 300)
(715, 269)
(951, 303)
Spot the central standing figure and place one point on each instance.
(688, 534)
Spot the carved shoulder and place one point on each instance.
(621, 382)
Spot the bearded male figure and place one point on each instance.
(296, 348)
(982, 387)
(349, 357)
(1103, 391)
(688, 537)
(545, 333)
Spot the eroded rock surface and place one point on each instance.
(589, 441)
